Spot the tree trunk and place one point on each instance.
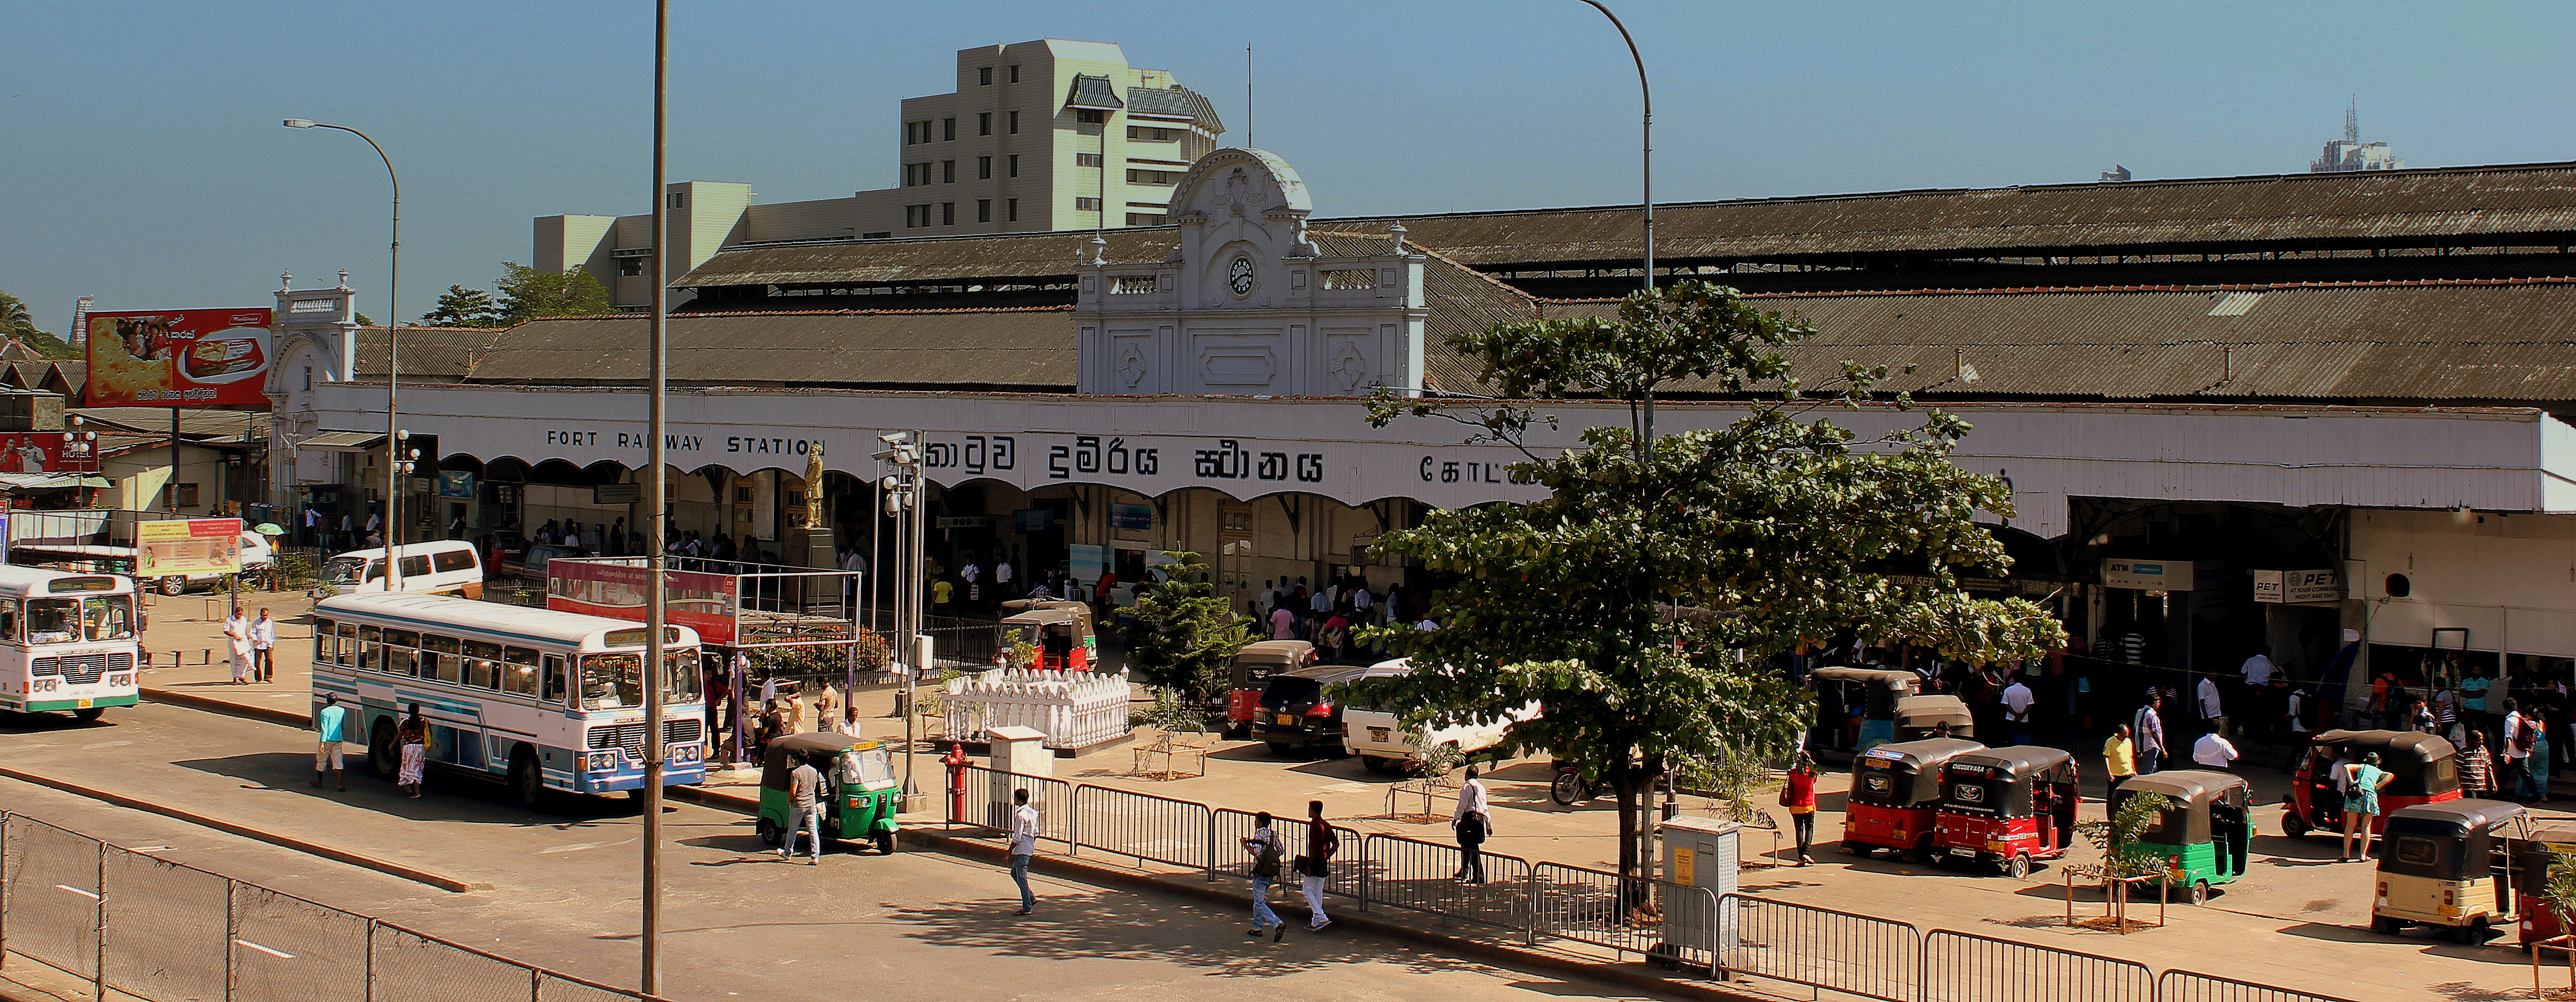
(1632, 878)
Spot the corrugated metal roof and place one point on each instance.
(443, 354)
(960, 350)
(2468, 205)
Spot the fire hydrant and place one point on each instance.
(955, 760)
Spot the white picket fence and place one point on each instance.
(1073, 709)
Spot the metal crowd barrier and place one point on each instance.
(1147, 827)
(1349, 867)
(2185, 986)
(1965, 967)
(1423, 876)
(1651, 918)
(152, 929)
(1052, 797)
(1822, 948)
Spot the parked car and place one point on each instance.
(1301, 709)
(439, 567)
(1372, 728)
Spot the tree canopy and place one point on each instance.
(1640, 603)
(1186, 634)
(16, 321)
(463, 307)
(527, 293)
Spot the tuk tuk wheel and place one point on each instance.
(885, 843)
(2018, 867)
(2293, 825)
(2472, 934)
(768, 831)
(2198, 893)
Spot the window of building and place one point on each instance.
(1144, 219)
(1151, 135)
(983, 210)
(1015, 119)
(679, 200)
(911, 133)
(1012, 207)
(308, 379)
(916, 215)
(984, 76)
(948, 172)
(185, 495)
(878, 235)
(948, 128)
(1086, 160)
(947, 213)
(630, 266)
(983, 123)
(1015, 165)
(1090, 116)
(983, 168)
(1086, 205)
(1153, 176)
(1015, 72)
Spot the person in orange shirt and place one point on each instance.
(1800, 798)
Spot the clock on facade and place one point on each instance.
(1238, 276)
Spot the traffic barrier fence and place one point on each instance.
(2185, 986)
(1965, 967)
(1822, 948)
(149, 928)
(1147, 827)
(1423, 876)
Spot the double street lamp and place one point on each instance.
(397, 457)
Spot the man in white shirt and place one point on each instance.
(1024, 844)
(2017, 703)
(972, 574)
(1473, 821)
(1001, 579)
(2213, 752)
(2259, 668)
(263, 647)
(2213, 714)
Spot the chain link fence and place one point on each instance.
(142, 926)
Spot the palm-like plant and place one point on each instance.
(15, 321)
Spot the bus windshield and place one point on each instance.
(53, 620)
(108, 617)
(615, 681)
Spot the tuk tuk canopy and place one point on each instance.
(2421, 765)
(1882, 687)
(2451, 840)
(2193, 791)
(1921, 713)
(1255, 663)
(1904, 774)
(1996, 782)
(819, 750)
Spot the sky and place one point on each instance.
(147, 167)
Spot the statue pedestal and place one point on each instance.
(812, 548)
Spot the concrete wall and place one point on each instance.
(2509, 579)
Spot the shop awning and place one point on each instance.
(344, 441)
(40, 481)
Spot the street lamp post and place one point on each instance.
(657, 673)
(394, 458)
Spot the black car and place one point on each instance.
(1301, 709)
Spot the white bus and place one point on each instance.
(547, 699)
(67, 642)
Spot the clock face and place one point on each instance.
(1238, 276)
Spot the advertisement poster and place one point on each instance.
(46, 452)
(702, 602)
(178, 358)
(193, 546)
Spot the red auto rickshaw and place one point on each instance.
(1060, 631)
(1253, 666)
(2423, 769)
(2006, 806)
(1894, 788)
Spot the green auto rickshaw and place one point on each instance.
(858, 785)
(2205, 837)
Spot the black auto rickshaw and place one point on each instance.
(2206, 837)
(2006, 806)
(1920, 717)
(2455, 864)
(2423, 769)
(860, 796)
(1894, 787)
(1059, 629)
(1874, 691)
(1253, 666)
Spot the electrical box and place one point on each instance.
(1706, 853)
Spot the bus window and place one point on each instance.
(109, 617)
(487, 652)
(402, 660)
(446, 668)
(680, 681)
(519, 679)
(53, 620)
(550, 682)
(416, 567)
(326, 642)
(371, 648)
(610, 681)
(9, 621)
(348, 644)
(443, 645)
(402, 638)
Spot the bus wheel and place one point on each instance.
(89, 715)
(381, 754)
(2019, 867)
(527, 783)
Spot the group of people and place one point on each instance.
(338, 532)
(1326, 616)
(252, 646)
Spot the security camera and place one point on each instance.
(894, 438)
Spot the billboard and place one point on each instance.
(192, 546)
(46, 452)
(702, 602)
(178, 358)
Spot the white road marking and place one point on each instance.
(271, 952)
(582, 846)
(82, 893)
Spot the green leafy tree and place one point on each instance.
(17, 322)
(527, 293)
(1185, 634)
(463, 307)
(2118, 836)
(1639, 603)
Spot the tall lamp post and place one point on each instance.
(656, 594)
(394, 435)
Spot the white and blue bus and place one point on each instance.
(547, 699)
(67, 642)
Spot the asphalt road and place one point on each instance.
(739, 923)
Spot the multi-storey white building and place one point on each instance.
(1043, 135)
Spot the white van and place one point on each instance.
(439, 567)
(1372, 730)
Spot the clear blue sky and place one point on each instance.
(147, 168)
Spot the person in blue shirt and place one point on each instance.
(326, 726)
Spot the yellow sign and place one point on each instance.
(1685, 866)
(190, 546)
